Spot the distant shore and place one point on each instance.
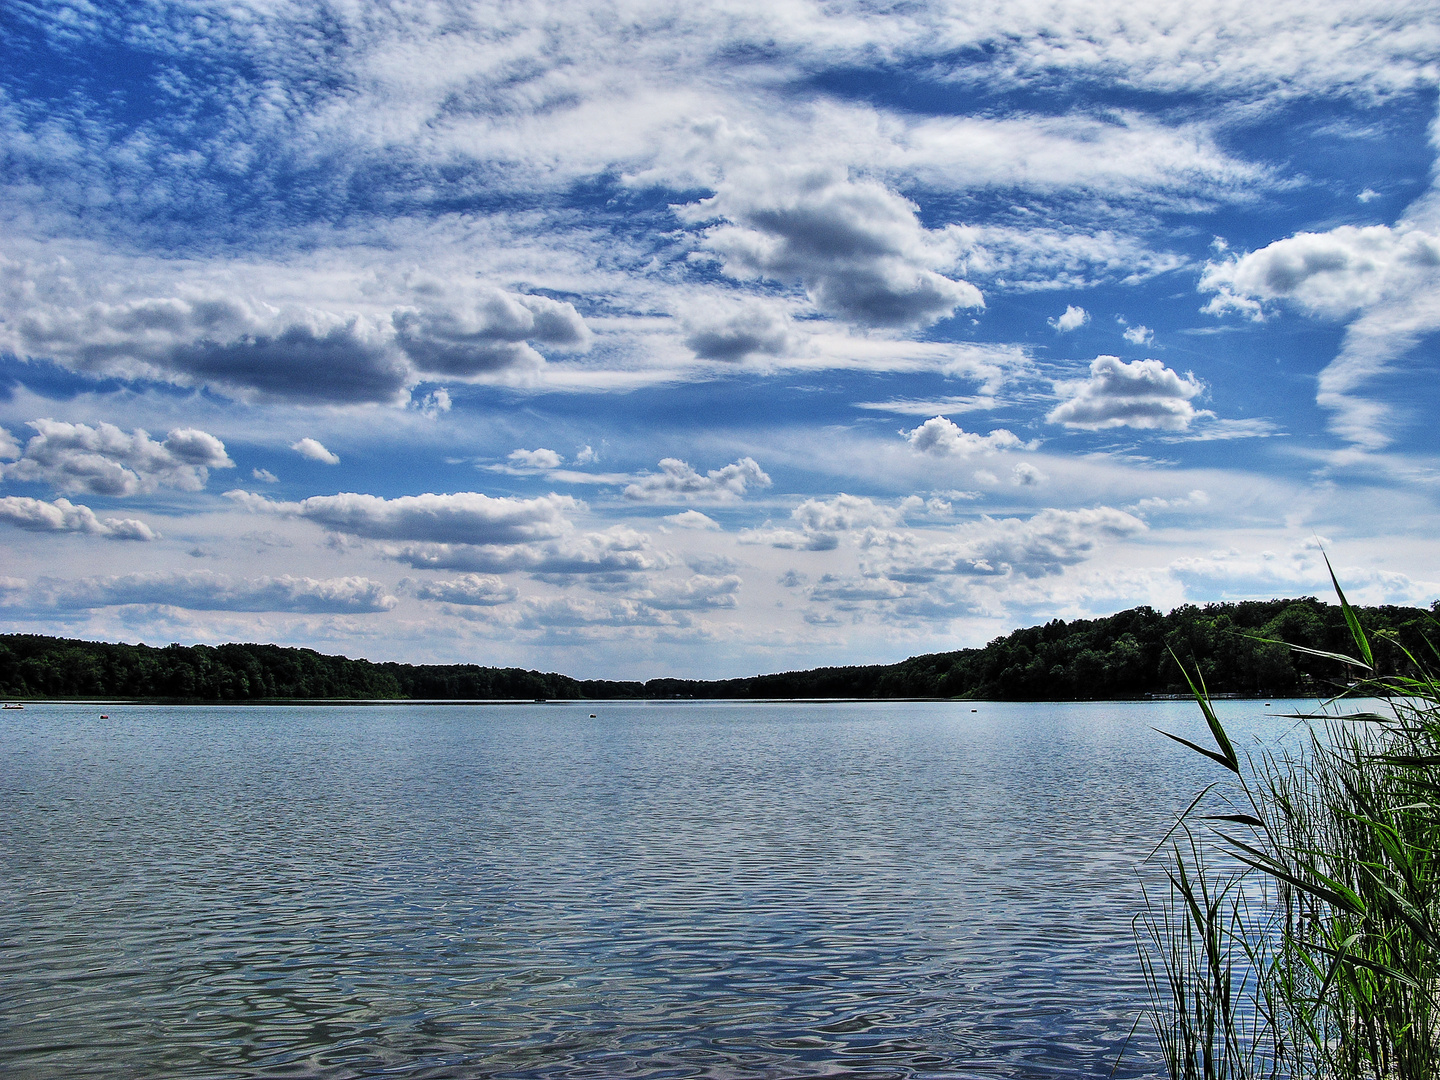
(1241, 650)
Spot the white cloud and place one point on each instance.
(1298, 567)
(942, 437)
(844, 512)
(540, 459)
(62, 515)
(1072, 319)
(586, 455)
(929, 406)
(265, 476)
(1029, 257)
(466, 517)
(202, 590)
(436, 403)
(848, 590)
(1333, 273)
(678, 482)
(1195, 500)
(1139, 335)
(588, 613)
(789, 539)
(693, 519)
(616, 554)
(196, 337)
(696, 593)
(1213, 430)
(486, 331)
(738, 331)
(1026, 475)
(323, 341)
(997, 548)
(1139, 394)
(314, 451)
(820, 520)
(104, 460)
(856, 246)
(1391, 277)
(475, 590)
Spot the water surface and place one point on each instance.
(667, 890)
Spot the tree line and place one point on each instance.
(1237, 647)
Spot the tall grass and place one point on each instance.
(1296, 931)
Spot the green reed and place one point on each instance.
(1297, 931)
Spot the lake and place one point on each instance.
(682, 889)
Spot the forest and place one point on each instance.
(1239, 648)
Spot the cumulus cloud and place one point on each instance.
(243, 347)
(203, 590)
(476, 590)
(1333, 273)
(738, 331)
(104, 460)
(36, 515)
(942, 437)
(1138, 335)
(327, 359)
(466, 517)
(490, 330)
(856, 246)
(1072, 319)
(1390, 277)
(265, 476)
(678, 482)
(1139, 394)
(315, 451)
(844, 512)
(200, 334)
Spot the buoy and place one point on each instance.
(104, 716)
(592, 716)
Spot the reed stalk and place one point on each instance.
(1297, 932)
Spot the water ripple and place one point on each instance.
(717, 891)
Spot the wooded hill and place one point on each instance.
(1121, 656)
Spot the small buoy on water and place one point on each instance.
(592, 716)
(974, 710)
(104, 716)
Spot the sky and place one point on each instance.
(633, 339)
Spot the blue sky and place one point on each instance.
(642, 339)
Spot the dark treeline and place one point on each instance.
(1120, 656)
(1124, 655)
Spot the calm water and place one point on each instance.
(718, 890)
